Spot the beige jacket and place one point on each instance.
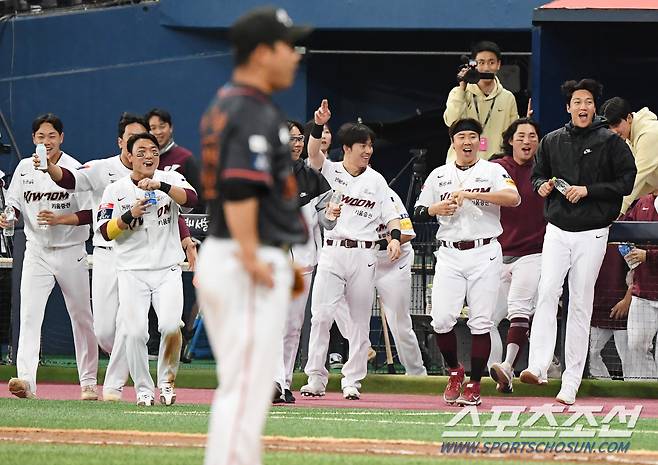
(644, 144)
(460, 105)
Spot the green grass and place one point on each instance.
(24, 454)
(202, 375)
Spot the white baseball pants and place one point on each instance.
(138, 289)
(517, 295)
(347, 274)
(105, 305)
(291, 333)
(393, 283)
(598, 338)
(244, 323)
(42, 266)
(642, 326)
(581, 255)
(473, 274)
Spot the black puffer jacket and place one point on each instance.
(593, 157)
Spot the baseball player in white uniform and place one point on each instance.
(393, 283)
(52, 253)
(466, 196)
(139, 228)
(346, 267)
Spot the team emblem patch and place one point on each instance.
(105, 211)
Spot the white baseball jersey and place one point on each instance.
(406, 227)
(306, 255)
(32, 190)
(476, 219)
(365, 202)
(94, 177)
(153, 241)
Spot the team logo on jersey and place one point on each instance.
(83, 167)
(52, 196)
(105, 211)
(508, 179)
(354, 202)
(445, 183)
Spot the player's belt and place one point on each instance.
(466, 245)
(350, 244)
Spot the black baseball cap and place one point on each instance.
(265, 25)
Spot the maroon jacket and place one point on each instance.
(610, 288)
(177, 158)
(645, 279)
(523, 226)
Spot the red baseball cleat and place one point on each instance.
(454, 388)
(471, 395)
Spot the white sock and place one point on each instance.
(512, 352)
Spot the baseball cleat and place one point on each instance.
(145, 400)
(111, 395)
(351, 393)
(312, 390)
(167, 394)
(277, 396)
(89, 392)
(20, 388)
(471, 395)
(527, 376)
(554, 369)
(289, 398)
(454, 388)
(566, 396)
(502, 374)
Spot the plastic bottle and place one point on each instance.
(561, 185)
(42, 153)
(624, 249)
(428, 299)
(43, 205)
(469, 208)
(10, 217)
(334, 201)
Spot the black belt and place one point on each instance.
(103, 247)
(350, 244)
(466, 245)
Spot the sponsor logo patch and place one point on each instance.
(105, 211)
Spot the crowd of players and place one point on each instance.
(509, 233)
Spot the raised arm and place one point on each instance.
(320, 118)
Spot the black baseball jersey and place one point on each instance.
(245, 145)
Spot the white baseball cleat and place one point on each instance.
(312, 390)
(528, 376)
(566, 396)
(351, 393)
(167, 394)
(111, 395)
(89, 392)
(20, 388)
(554, 369)
(145, 399)
(502, 374)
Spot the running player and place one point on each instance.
(521, 241)
(466, 196)
(147, 253)
(52, 253)
(346, 267)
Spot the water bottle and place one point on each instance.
(151, 198)
(334, 201)
(10, 217)
(561, 185)
(43, 205)
(469, 208)
(428, 299)
(42, 153)
(624, 249)
(150, 216)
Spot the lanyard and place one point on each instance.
(477, 110)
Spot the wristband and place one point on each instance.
(383, 243)
(316, 132)
(127, 217)
(396, 234)
(165, 187)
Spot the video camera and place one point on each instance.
(472, 76)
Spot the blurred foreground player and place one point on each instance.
(244, 271)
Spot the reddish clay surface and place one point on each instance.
(372, 401)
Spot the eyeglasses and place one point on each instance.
(296, 138)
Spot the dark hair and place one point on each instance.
(615, 110)
(142, 135)
(295, 124)
(355, 133)
(593, 87)
(308, 127)
(48, 118)
(160, 113)
(130, 118)
(511, 130)
(466, 124)
(486, 46)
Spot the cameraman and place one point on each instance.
(487, 101)
(640, 130)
